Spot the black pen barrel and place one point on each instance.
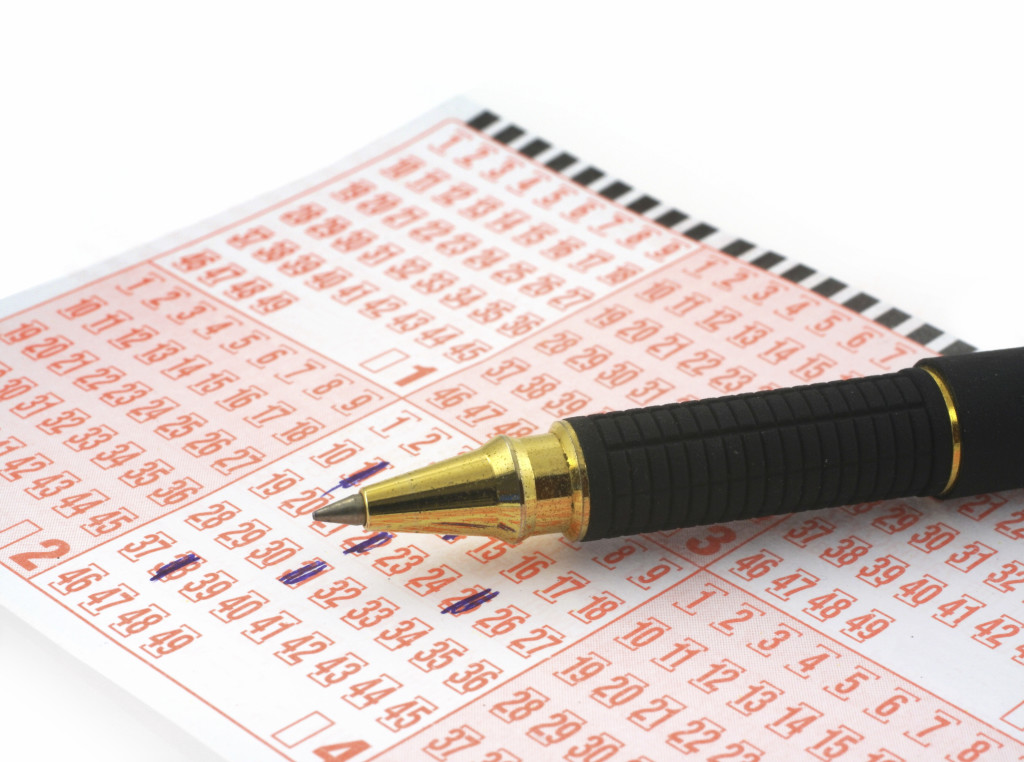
(949, 426)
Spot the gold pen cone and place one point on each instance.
(509, 488)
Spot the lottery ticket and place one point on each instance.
(170, 420)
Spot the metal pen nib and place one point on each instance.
(509, 488)
(348, 510)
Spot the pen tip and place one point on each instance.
(348, 510)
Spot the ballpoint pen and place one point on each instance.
(948, 427)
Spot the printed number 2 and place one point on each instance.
(27, 560)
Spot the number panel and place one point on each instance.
(470, 268)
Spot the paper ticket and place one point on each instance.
(169, 422)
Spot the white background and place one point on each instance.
(878, 142)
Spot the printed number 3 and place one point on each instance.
(715, 537)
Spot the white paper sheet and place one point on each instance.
(200, 396)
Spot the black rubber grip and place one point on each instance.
(765, 453)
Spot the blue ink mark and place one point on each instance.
(450, 537)
(173, 566)
(303, 572)
(472, 602)
(354, 479)
(378, 539)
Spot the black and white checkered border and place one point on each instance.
(623, 193)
